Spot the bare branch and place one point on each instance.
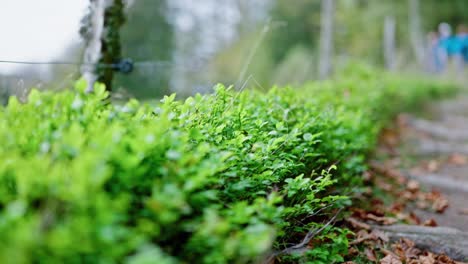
(303, 245)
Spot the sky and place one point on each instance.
(37, 30)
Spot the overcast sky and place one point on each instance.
(37, 30)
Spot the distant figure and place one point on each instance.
(463, 38)
(450, 47)
(444, 34)
(433, 61)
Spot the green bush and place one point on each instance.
(220, 178)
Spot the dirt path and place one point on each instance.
(437, 149)
(423, 166)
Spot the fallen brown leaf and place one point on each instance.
(457, 159)
(387, 171)
(407, 243)
(362, 233)
(413, 186)
(397, 208)
(399, 251)
(378, 234)
(429, 259)
(414, 261)
(403, 217)
(439, 202)
(405, 250)
(381, 219)
(414, 218)
(422, 204)
(378, 207)
(407, 195)
(444, 259)
(358, 224)
(358, 213)
(412, 253)
(389, 137)
(370, 254)
(440, 205)
(432, 166)
(383, 185)
(352, 251)
(390, 259)
(360, 240)
(375, 235)
(430, 222)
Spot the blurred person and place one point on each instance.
(433, 61)
(450, 48)
(463, 36)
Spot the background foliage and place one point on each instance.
(186, 42)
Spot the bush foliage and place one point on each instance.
(222, 178)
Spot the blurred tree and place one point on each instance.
(228, 65)
(326, 38)
(111, 48)
(302, 26)
(358, 35)
(417, 40)
(389, 40)
(360, 28)
(204, 55)
(297, 67)
(101, 31)
(147, 36)
(434, 12)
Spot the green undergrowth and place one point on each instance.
(222, 178)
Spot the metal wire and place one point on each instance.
(140, 64)
(58, 63)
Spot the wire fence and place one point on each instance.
(151, 78)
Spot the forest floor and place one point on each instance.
(417, 208)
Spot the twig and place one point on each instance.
(311, 234)
(360, 240)
(253, 51)
(356, 223)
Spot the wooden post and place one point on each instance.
(326, 38)
(389, 42)
(100, 30)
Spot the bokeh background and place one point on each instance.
(187, 46)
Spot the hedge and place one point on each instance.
(228, 177)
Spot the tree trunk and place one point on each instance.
(101, 34)
(389, 42)
(91, 31)
(415, 31)
(326, 38)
